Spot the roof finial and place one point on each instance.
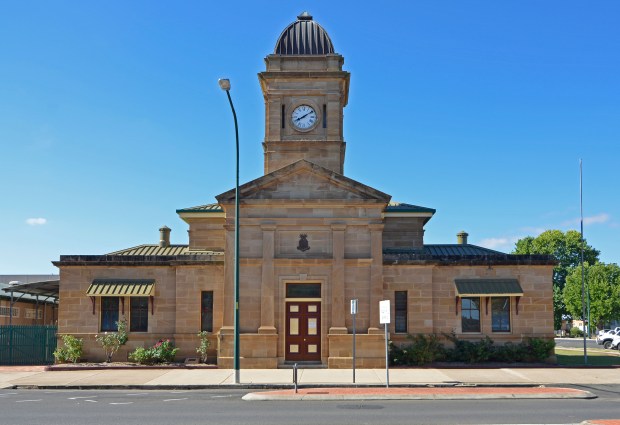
(304, 16)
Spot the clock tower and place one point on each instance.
(305, 91)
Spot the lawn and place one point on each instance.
(568, 357)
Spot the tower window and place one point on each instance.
(324, 116)
(282, 116)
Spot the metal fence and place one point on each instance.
(27, 345)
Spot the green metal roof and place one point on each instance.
(402, 207)
(458, 249)
(208, 208)
(487, 287)
(443, 250)
(121, 287)
(152, 249)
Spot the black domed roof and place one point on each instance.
(304, 37)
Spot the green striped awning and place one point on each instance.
(121, 288)
(487, 287)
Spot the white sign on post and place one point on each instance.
(384, 312)
(353, 306)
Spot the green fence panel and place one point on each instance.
(27, 345)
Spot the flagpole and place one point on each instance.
(583, 291)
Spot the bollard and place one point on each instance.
(295, 376)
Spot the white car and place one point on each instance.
(607, 338)
(615, 342)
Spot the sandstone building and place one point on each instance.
(312, 240)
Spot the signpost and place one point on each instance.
(354, 313)
(384, 319)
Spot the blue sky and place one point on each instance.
(111, 117)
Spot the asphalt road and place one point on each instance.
(96, 407)
(576, 343)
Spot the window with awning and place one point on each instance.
(470, 293)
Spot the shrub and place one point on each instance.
(204, 345)
(162, 352)
(540, 349)
(576, 332)
(427, 349)
(469, 352)
(423, 349)
(142, 355)
(509, 353)
(111, 342)
(71, 351)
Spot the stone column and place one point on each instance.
(267, 292)
(229, 271)
(376, 275)
(337, 278)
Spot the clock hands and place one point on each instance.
(303, 116)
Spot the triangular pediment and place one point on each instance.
(306, 181)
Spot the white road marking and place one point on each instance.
(26, 401)
(222, 396)
(5, 394)
(130, 402)
(75, 398)
(176, 399)
(91, 401)
(137, 394)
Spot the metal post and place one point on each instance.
(295, 377)
(225, 85)
(354, 345)
(387, 367)
(583, 291)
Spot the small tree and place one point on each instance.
(602, 281)
(111, 342)
(566, 248)
(204, 345)
(72, 350)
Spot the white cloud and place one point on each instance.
(601, 218)
(36, 221)
(495, 243)
(594, 219)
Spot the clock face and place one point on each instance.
(304, 117)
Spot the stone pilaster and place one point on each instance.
(337, 278)
(267, 311)
(376, 275)
(229, 277)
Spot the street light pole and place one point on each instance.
(225, 85)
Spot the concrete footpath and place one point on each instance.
(411, 383)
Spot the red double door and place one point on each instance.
(303, 331)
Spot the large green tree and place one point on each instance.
(566, 248)
(603, 284)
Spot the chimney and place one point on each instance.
(164, 237)
(461, 237)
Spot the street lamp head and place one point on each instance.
(224, 83)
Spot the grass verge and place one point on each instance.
(567, 357)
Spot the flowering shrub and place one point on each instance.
(112, 341)
(204, 345)
(162, 352)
